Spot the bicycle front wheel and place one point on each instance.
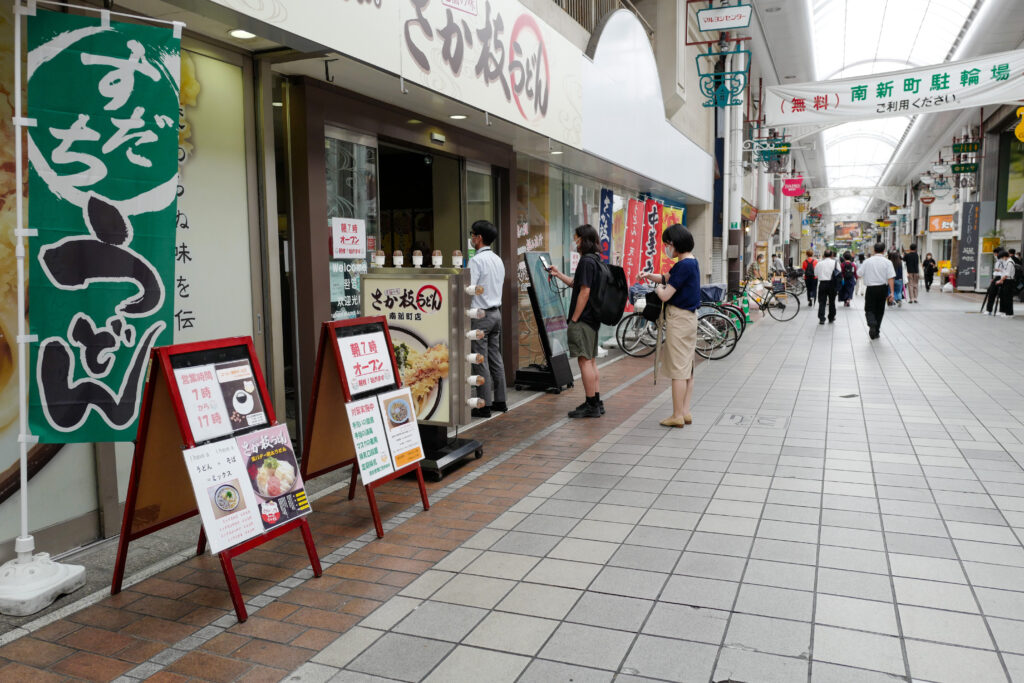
(632, 334)
(796, 286)
(782, 305)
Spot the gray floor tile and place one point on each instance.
(863, 615)
(769, 601)
(937, 594)
(743, 665)
(540, 601)
(525, 544)
(688, 623)
(711, 566)
(587, 646)
(954, 628)
(689, 590)
(563, 573)
(656, 537)
(542, 671)
(857, 649)
(546, 524)
(501, 565)
(516, 633)
(634, 583)
(610, 611)
(1009, 634)
(564, 508)
(404, 658)
(440, 620)
(784, 551)
(582, 550)
(641, 557)
(612, 532)
(625, 514)
(854, 584)
(470, 665)
(948, 664)
(720, 544)
(780, 574)
(474, 591)
(674, 660)
(766, 634)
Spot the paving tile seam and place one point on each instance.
(179, 649)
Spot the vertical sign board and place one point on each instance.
(358, 376)
(103, 164)
(967, 258)
(238, 470)
(652, 237)
(633, 244)
(605, 223)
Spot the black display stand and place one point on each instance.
(556, 373)
(440, 452)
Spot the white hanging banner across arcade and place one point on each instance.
(992, 79)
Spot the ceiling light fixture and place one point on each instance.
(414, 122)
(556, 151)
(790, 77)
(772, 10)
(278, 104)
(241, 34)
(456, 117)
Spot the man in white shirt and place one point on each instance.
(879, 285)
(824, 271)
(486, 269)
(1007, 285)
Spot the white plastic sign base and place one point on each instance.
(27, 586)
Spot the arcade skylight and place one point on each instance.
(859, 37)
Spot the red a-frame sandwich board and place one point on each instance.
(159, 491)
(328, 444)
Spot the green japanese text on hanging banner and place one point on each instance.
(102, 195)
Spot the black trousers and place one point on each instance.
(812, 288)
(875, 297)
(827, 294)
(928, 277)
(1006, 292)
(991, 295)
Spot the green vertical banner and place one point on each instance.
(102, 195)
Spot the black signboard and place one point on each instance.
(967, 258)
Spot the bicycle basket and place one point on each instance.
(778, 285)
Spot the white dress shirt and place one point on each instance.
(1005, 268)
(877, 270)
(823, 271)
(486, 268)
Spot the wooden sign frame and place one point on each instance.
(158, 470)
(328, 443)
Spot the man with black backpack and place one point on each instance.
(584, 320)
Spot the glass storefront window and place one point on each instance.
(351, 168)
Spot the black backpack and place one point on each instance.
(608, 301)
(849, 271)
(809, 265)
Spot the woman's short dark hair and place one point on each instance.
(1002, 252)
(679, 237)
(590, 243)
(486, 230)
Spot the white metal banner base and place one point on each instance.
(29, 585)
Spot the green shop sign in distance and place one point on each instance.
(966, 147)
(965, 168)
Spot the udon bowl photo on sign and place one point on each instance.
(398, 411)
(226, 498)
(273, 475)
(424, 369)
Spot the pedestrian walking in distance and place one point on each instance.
(911, 260)
(825, 274)
(929, 271)
(1007, 284)
(848, 281)
(809, 279)
(879, 282)
(860, 277)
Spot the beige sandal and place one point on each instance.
(672, 422)
(688, 419)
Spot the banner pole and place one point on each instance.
(29, 582)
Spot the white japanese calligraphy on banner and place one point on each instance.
(492, 54)
(992, 79)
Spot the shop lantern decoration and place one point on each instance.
(772, 151)
(793, 187)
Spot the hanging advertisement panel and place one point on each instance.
(992, 79)
(967, 249)
(103, 163)
(652, 237)
(604, 229)
(632, 255)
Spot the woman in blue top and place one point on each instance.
(680, 290)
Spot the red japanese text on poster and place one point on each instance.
(348, 238)
(366, 361)
(652, 237)
(633, 244)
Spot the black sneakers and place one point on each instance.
(499, 407)
(587, 409)
(480, 412)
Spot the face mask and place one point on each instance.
(669, 252)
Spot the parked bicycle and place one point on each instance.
(719, 327)
(778, 302)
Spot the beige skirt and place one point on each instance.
(680, 342)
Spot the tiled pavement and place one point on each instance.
(777, 538)
(841, 510)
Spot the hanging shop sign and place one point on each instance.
(103, 164)
(724, 18)
(927, 198)
(793, 187)
(652, 251)
(632, 255)
(348, 238)
(496, 56)
(940, 223)
(964, 168)
(992, 79)
(966, 147)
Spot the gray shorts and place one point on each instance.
(582, 340)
